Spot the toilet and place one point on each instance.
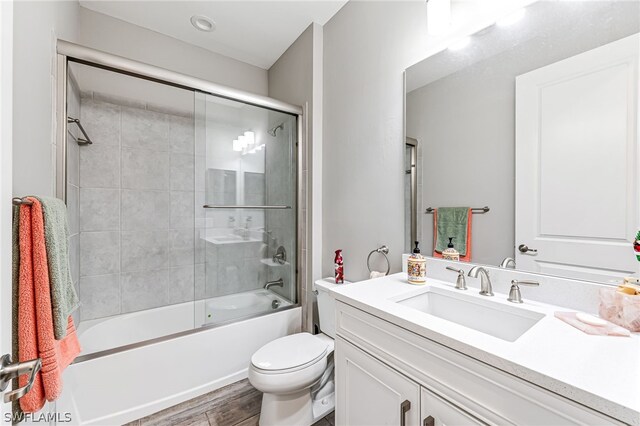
(295, 372)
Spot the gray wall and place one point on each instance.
(465, 122)
(36, 25)
(367, 46)
(148, 46)
(291, 79)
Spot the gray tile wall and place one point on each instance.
(136, 195)
(233, 267)
(280, 190)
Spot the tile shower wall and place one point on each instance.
(280, 190)
(136, 207)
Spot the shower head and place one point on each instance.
(273, 131)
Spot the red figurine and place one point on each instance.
(339, 267)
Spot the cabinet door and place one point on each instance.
(371, 394)
(440, 412)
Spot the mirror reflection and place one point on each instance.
(527, 143)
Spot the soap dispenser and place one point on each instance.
(450, 253)
(417, 267)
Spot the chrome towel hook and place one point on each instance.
(383, 250)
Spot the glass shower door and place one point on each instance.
(130, 195)
(247, 224)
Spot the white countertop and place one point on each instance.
(601, 372)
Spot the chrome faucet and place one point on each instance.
(247, 226)
(508, 262)
(460, 282)
(485, 281)
(514, 293)
(277, 283)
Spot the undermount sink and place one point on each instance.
(495, 319)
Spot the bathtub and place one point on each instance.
(127, 329)
(115, 388)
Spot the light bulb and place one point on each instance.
(237, 146)
(251, 137)
(243, 141)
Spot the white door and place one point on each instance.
(440, 412)
(576, 161)
(370, 393)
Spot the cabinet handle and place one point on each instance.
(404, 407)
(429, 421)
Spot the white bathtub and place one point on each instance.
(122, 330)
(124, 386)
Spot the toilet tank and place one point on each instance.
(327, 305)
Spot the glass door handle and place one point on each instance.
(9, 371)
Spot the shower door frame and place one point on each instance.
(71, 52)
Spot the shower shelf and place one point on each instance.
(207, 206)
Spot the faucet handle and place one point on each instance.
(461, 283)
(514, 293)
(524, 282)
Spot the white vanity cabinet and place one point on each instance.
(370, 393)
(380, 366)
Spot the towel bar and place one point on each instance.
(17, 201)
(80, 141)
(208, 206)
(475, 210)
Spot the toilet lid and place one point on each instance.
(289, 352)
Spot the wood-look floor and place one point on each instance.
(235, 405)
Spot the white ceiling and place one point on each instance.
(255, 32)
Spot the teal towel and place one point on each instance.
(64, 299)
(452, 222)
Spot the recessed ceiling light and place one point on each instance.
(460, 43)
(203, 23)
(511, 18)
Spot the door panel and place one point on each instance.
(6, 99)
(576, 155)
(371, 394)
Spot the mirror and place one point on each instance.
(537, 120)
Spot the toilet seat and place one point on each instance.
(289, 354)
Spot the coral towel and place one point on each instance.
(35, 318)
